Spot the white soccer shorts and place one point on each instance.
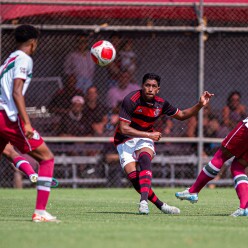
(127, 149)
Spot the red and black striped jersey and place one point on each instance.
(142, 115)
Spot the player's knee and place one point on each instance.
(243, 162)
(10, 153)
(237, 167)
(50, 155)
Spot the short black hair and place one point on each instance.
(151, 76)
(26, 32)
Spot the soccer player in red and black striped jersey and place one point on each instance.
(135, 136)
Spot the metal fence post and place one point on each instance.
(201, 83)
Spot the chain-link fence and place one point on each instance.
(193, 47)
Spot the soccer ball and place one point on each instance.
(103, 52)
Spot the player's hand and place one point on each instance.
(205, 97)
(156, 136)
(29, 133)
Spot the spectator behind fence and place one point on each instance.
(211, 129)
(124, 87)
(233, 112)
(61, 101)
(112, 121)
(113, 69)
(170, 127)
(79, 64)
(94, 113)
(72, 122)
(128, 58)
(211, 125)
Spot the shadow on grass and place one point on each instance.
(15, 220)
(203, 215)
(102, 212)
(172, 215)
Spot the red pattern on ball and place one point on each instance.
(94, 58)
(97, 43)
(107, 53)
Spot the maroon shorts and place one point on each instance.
(13, 132)
(236, 142)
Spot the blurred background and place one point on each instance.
(74, 104)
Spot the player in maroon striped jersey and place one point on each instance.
(234, 145)
(135, 136)
(15, 126)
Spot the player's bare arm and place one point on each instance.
(187, 113)
(125, 129)
(21, 106)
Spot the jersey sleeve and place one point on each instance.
(22, 68)
(126, 111)
(169, 110)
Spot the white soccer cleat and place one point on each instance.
(185, 195)
(167, 209)
(33, 178)
(43, 216)
(240, 212)
(143, 207)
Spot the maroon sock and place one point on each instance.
(134, 179)
(23, 165)
(209, 172)
(44, 183)
(241, 182)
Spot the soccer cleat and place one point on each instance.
(185, 195)
(33, 178)
(169, 209)
(143, 207)
(246, 212)
(43, 216)
(240, 212)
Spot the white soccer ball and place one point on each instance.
(103, 52)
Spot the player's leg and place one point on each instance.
(241, 186)
(207, 174)
(20, 162)
(45, 174)
(13, 132)
(128, 163)
(133, 177)
(145, 156)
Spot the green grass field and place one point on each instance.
(108, 218)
